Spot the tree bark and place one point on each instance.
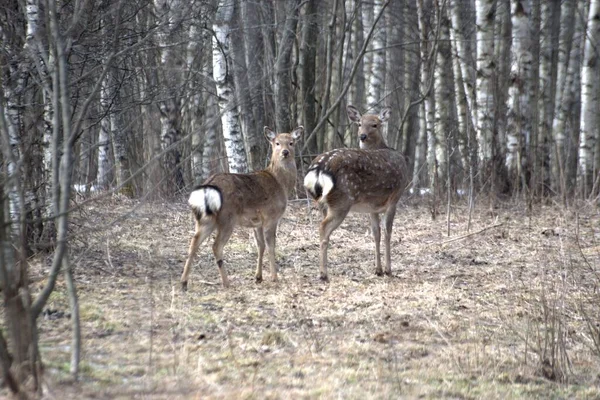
(590, 104)
(230, 121)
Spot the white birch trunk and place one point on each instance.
(444, 98)
(518, 130)
(485, 10)
(465, 70)
(462, 87)
(590, 106)
(169, 13)
(195, 107)
(232, 133)
(377, 72)
(429, 108)
(104, 165)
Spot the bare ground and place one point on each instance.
(502, 313)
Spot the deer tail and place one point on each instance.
(318, 183)
(206, 200)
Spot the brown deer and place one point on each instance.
(366, 180)
(255, 200)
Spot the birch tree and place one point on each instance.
(376, 74)
(568, 48)
(518, 130)
(170, 13)
(230, 121)
(445, 110)
(486, 105)
(590, 104)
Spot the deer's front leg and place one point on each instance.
(376, 228)
(259, 236)
(270, 235)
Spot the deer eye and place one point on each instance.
(291, 143)
(277, 143)
(374, 125)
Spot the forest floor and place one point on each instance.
(510, 311)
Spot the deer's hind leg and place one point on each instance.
(223, 234)
(388, 224)
(334, 218)
(203, 230)
(259, 236)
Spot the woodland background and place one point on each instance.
(491, 100)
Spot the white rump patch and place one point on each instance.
(205, 198)
(315, 177)
(310, 180)
(326, 183)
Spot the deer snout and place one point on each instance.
(363, 137)
(285, 153)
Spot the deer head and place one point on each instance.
(369, 127)
(283, 145)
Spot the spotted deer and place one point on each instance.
(366, 180)
(255, 200)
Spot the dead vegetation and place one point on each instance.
(510, 311)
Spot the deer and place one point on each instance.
(256, 200)
(370, 180)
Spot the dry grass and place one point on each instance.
(463, 319)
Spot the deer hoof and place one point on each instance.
(388, 273)
(324, 278)
(378, 272)
(184, 286)
(258, 279)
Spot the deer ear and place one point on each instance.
(269, 134)
(353, 113)
(384, 115)
(298, 132)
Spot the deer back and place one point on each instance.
(367, 180)
(251, 199)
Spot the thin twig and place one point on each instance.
(473, 233)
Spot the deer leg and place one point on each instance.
(330, 223)
(203, 230)
(376, 229)
(270, 234)
(223, 235)
(388, 223)
(259, 236)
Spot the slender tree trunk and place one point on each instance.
(376, 74)
(195, 51)
(394, 79)
(486, 102)
(567, 48)
(445, 109)
(104, 160)
(518, 131)
(169, 12)
(590, 104)
(283, 66)
(358, 90)
(230, 121)
(550, 19)
(412, 76)
(308, 63)
(255, 62)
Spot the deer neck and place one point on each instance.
(284, 172)
(375, 146)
